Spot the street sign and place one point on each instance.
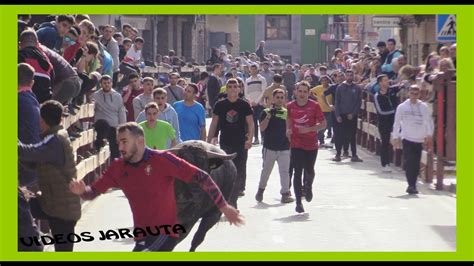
(446, 28)
(310, 32)
(385, 22)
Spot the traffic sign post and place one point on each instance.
(446, 28)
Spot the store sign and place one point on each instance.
(385, 22)
(310, 32)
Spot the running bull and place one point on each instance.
(192, 202)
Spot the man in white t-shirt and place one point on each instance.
(134, 54)
(255, 86)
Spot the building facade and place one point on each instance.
(294, 37)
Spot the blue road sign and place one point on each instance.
(446, 28)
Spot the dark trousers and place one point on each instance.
(385, 126)
(87, 85)
(348, 132)
(104, 131)
(156, 243)
(303, 160)
(257, 111)
(328, 128)
(125, 70)
(67, 89)
(58, 226)
(338, 136)
(240, 163)
(26, 226)
(115, 80)
(411, 159)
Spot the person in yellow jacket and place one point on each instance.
(324, 102)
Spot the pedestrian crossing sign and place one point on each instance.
(446, 28)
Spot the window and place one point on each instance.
(277, 27)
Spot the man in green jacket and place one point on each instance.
(55, 168)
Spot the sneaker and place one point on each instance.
(299, 208)
(259, 196)
(356, 159)
(256, 142)
(336, 158)
(241, 193)
(328, 146)
(308, 194)
(386, 169)
(286, 198)
(329, 136)
(346, 154)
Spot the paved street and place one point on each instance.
(356, 208)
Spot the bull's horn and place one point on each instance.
(211, 154)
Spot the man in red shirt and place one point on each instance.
(129, 93)
(147, 179)
(305, 119)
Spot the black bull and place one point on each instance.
(192, 202)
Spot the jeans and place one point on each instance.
(58, 226)
(257, 111)
(385, 126)
(338, 135)
(411, 159)
(26, 226)
(349, 130)
(303, 160)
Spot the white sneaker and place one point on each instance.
(386, 169)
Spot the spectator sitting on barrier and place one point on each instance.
(70, 39)
(66, 83)
(87, 68)
(74, 52)
(134, 54)
(50, 34)
(31, 53)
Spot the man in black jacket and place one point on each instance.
(214, 84)
(386, 102)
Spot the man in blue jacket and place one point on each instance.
(28, 132)
(50, 34)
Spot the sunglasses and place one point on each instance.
(279, 97)
(68, 40)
